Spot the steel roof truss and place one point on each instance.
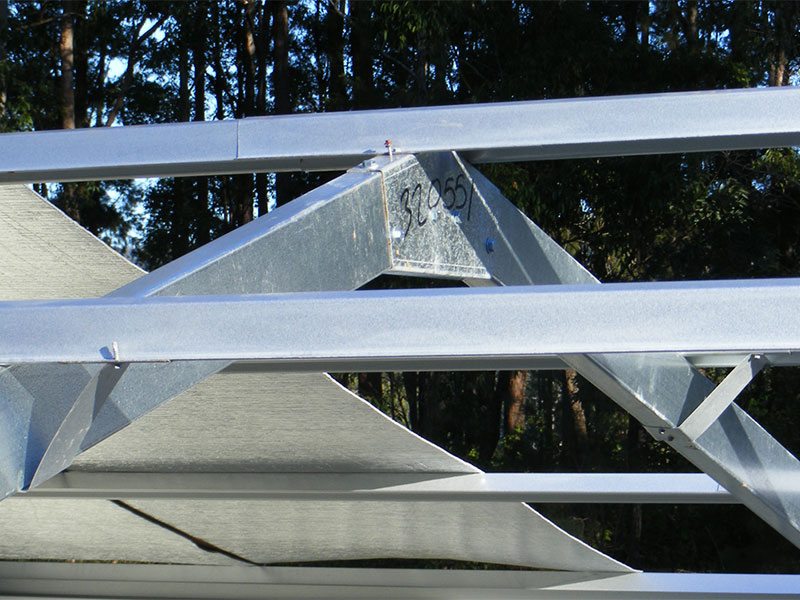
(343, 228)
(660, 391)
(442, 218)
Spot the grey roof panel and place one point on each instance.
(287, 531)
(246, 421)
(44, 254)
(91, 530)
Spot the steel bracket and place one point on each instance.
(715, 403)
(721, 397)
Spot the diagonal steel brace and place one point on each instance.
(694, 425)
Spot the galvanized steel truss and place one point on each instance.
(430, 214)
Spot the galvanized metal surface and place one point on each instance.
(572, 128)
(427, 203)
(342, 330)
(721, 398)
(244, 583)
(44, 254)
(343, 228)
(658, 390)
(255, 422)
(248, 422)
(705, 360)
(347, 217)
(623, 488)
(333, 530)
(65, 443)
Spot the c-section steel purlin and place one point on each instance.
(660, 391)
(625, 488)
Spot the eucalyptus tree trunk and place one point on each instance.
(249, 55)
(80, 69)
(575, 427)
(785, 19)
(254, 40)
(66, 47)
(361, 35)
(515, 382)
(3, 36)
(198, 41)
(337, 85)
(634, 463)
(66, 52)
(280, 83)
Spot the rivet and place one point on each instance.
(115, 354)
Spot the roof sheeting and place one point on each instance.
(242, 420)
(287, 531)
(91, 530)
(44, 254)
(248, 421)
(245, 421)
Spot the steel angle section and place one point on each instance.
(512, 131)
(715, 360)
(658, 390)
(723, 395)
(633, 488)
(68, 437)
(334, 237)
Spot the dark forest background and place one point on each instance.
(72, 64)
